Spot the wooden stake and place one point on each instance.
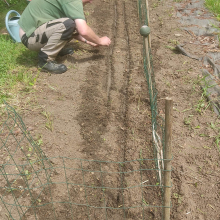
(168, 157)
(148, 20)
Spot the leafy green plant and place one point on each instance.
(216, 128)
(49, 121)
(178, 197)
(145, 202)
(187, 120)
(203, 103)
(155, 5)
(170, 47)
(141, 157)
(174, 42)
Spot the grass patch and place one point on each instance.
(15, 67)
(16, 61)
(214, 6)
(18, 5)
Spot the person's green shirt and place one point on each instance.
(39, 12)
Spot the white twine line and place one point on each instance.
(159, 149)
(144, 181)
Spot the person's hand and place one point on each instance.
(105, 41)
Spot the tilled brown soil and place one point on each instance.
(99, 110)
(196, 188)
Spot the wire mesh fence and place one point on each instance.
(36, 187)
(157, 122)
(33, 186)
(23, 166)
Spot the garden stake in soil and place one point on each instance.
(167, 162)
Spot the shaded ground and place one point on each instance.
(99, 109)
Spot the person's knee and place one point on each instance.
(70, 28)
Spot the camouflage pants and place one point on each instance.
(50, 38)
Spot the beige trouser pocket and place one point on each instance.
(51, 37)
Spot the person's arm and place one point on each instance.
(86, 32)
(80, 38)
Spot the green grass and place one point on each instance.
(15, 59)
(214, 6)
(17, 5)
(15, 67)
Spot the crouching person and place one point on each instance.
(48, 25)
